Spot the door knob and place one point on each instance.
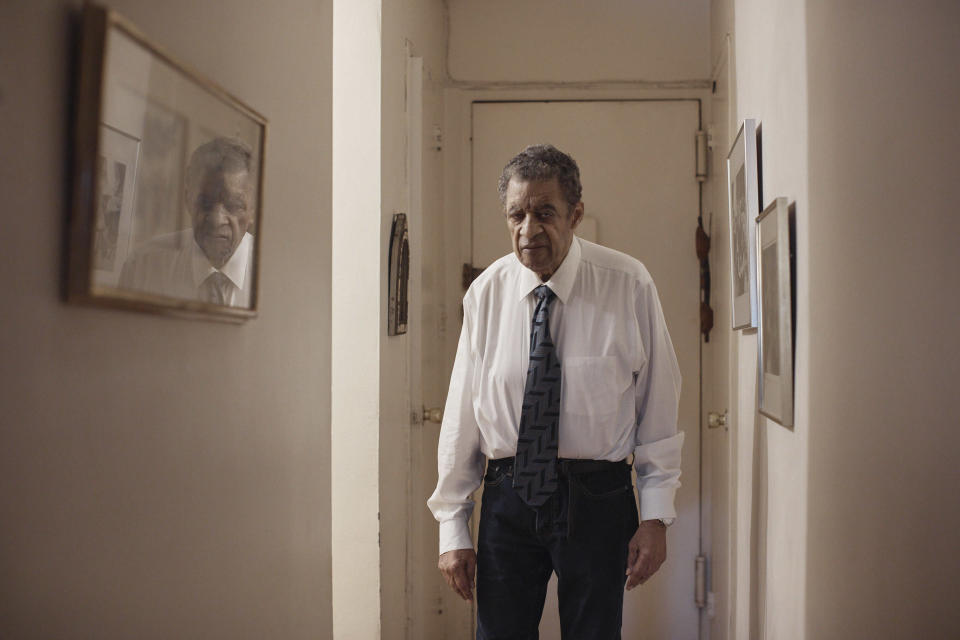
(716, 419)
(433, 415)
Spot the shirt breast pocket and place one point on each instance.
(593, 386)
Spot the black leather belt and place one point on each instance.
(567, 465)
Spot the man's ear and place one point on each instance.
(576, 215)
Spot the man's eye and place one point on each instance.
(543, 215)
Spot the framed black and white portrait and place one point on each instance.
(743, 191)
(774, 243)
(167, 184)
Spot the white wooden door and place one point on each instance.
(637, 164)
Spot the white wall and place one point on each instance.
(505, 41)
(884, 93)
(357, 320)
(770, 51)
(409, 28)
(385, 582)
(843, 516)
(164, 478)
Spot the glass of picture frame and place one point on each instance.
(776, 330)
(168, 173)
(743, 189)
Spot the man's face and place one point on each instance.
(541, 224)
(222, 211)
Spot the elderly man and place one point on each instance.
(212, 261)
(564, 371)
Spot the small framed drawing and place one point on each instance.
(776, 313)
(168, 181)
(743, 191)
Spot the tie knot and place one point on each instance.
(215, 288)
(543, 292)
(218, 278)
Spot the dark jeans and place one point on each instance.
(581, 533)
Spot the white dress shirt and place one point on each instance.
(620, 386)
(174, 265)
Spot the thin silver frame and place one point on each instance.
(743, 153)
(775, 393)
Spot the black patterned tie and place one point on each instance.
(535, 473)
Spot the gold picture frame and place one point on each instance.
(168, 170)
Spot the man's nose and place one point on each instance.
(217, 215)
(530, 226)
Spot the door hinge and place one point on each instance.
(700, 581)
(701, 140)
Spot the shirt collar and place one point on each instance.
(561, 282)
(235, 269)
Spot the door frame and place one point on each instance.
(458, 201)
(457, 140)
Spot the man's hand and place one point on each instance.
(648, 550)
(459, 567)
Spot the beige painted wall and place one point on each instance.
(770, 43)
(579, 40)
(841, 521)
(357, 321)
(384, 578)
(164, 478)
(408, 559)
(884, 91)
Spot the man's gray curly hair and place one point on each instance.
(224, 154)
(543, 162)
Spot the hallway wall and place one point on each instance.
(842, 520)
(768, 50)
(410, 538)
(579, 41)
(385, 584)
(164, 478)
(884, 93)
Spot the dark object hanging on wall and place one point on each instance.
(703, 253)
(399, 276)
(470, 274)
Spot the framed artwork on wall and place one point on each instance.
(167, 181)
(775, 255)
(399, 277)
(743, 192)
(113, 209)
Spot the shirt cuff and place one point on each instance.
(656, 503)
(454, 534)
